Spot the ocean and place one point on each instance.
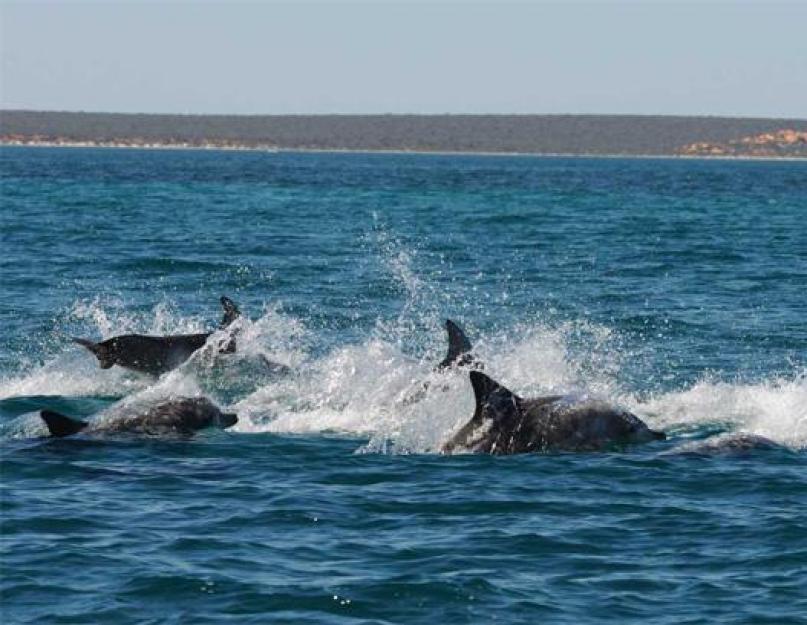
(676, 288)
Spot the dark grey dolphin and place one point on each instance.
(459, 356)
(181, 416)
(459, 349)
(157, 354)
(731, 444)
(504, 423)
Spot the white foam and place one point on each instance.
(362, 389)
(365, 389)
(776, 409)
(72, 374)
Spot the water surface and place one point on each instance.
(673, 287)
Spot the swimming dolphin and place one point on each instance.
(504, 423)
(459, 349)
(459, 356)
(157, 354)
(729, 444)
(181, 416)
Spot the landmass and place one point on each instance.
(618, 135)
(784, 143)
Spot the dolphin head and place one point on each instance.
(226, 420)
(617, 425)
(209, 415)
(191, 414)
(638, 432)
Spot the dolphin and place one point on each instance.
(730, 444)
(459, 356)
(504, 423)
(459, 350)
(180, 416)
(157, 354)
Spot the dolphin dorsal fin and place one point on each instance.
(60, 425)
(488, 391)
(458, 345)
(231, 312)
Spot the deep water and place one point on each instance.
(675, 288)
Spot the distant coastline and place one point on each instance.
(273, 150)
(547, 135)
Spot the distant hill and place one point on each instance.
(536, 134)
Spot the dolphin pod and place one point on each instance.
(180, 416)
(502, 423)
(157, 354)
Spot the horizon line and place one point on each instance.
(445, 114)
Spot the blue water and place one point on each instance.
(676, 288)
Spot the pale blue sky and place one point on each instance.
(723, 58)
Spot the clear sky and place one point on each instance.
(721, 58)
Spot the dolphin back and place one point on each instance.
(515, 425)
(60, 425)
(459, 347)
(494, 402)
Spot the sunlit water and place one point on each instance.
(675, 288)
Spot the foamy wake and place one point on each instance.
(374, 389)
(363, 390)
(776, 409)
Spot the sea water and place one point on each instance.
(674, 288)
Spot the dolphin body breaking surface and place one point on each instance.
(459, 355)
(181, 416)
(157, 354)
(504, 423)
(459, 349)
(728, 444)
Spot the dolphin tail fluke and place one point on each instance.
(100, 350)
(489, 391)
(60, 425)
(459, 347)
(231, 312)
(94, 347)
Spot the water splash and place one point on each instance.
(364, 389)
(776, 409)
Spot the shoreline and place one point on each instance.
(279, 150)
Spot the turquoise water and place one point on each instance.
(673, 287)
